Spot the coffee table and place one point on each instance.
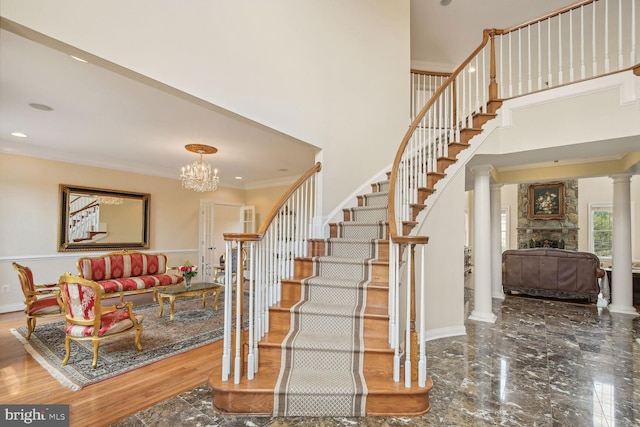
(180, 290)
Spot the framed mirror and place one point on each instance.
(102, 219)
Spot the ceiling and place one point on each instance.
(103, 116)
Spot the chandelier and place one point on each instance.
(198, 176)
(110, 200)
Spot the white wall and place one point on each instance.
(444, 267)
(332, 73)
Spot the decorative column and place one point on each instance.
(496, 241)
(482, 310)
(621, 275)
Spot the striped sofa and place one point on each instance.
(124, 272)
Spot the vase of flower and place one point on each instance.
(189, 271)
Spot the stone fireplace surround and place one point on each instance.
(557, 232)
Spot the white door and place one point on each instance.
(215, 220)
(248, 218)
(207, 241)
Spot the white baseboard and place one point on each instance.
(8, 308)
(452, 331)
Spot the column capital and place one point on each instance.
(621, 177)
(479, 170)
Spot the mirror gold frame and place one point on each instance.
(94, 219)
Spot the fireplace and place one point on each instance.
(553, 230)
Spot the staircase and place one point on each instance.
(346, 274)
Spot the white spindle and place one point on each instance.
(529, 77)
(606, 36)
(634, 47)
(510, 65)
(422, 359)
(560, 77)
(583, 73)
(549, 72)
(594, 32)
(539, 49)
(570, 45)
(520, 61)
(407, 325)
(396, 317)
(620, 51)
(251, 356)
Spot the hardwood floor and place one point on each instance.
(24, 381)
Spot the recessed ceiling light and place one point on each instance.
(40, 107)
(283, 170)
(238, 177)
(19, 134)
(79, 59)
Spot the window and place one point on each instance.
(504, 228)
(601, 229)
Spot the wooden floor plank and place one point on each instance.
(24, 381)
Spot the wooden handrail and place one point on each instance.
(393, 230)
(430, 73)
(551, 14)
(248, 237)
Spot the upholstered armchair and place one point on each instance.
(219, 271)
(88, 320)
(40, 300)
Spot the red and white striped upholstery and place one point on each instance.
(120, 272)
(39, 300)
(88, 319)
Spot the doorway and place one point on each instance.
(215, 220)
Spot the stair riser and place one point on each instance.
(373, 199)
(376, 296)
(480, 119)
(303, 268)
(366, 215)
(380, 186)
(375, 362)
(352, 250)
(443, 163)
(317, 247)
(467, 134)
(361, 231)
(280, 323)
(257, 402)
(455, 149)
(260, 402)
(397, 404)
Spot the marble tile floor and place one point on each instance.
(542, 363)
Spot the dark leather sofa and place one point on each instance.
(556, 273)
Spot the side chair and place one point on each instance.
(219, 271)
(88, 320)
(40, 300)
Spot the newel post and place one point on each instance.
(493, 85)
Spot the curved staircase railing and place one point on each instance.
(585, 40)
(283, 236)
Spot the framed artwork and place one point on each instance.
(547, 201)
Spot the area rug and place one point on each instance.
(193, 326)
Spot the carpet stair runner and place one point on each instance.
(322, 370)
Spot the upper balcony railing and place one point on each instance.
(586, 40)
(283, 236)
